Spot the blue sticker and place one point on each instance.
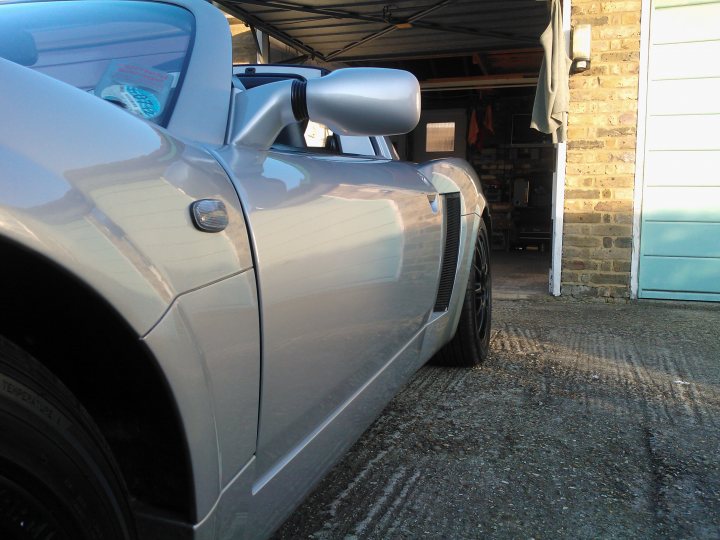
(139, 101)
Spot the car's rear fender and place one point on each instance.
(450, 176)
(454, 175)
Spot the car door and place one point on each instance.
(347, 256)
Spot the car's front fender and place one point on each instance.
(106, 196)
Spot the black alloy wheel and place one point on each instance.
(483, 290)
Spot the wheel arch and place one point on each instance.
(79, 337)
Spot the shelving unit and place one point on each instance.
(517, 180)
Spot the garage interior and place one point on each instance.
(477, 63)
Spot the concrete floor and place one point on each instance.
(588, 420)
(520, 275)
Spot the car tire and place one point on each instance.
(57, 476)
(471, 343)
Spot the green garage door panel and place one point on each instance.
(681, 278)
(680, 226)
(671, 239)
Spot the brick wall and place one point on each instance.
(601, 153)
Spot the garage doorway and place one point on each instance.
(516, 166)
(466, 60)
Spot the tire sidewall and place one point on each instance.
(482, 345)
(50, 447)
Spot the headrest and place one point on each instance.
(18, 46)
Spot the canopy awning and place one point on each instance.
(368, 30)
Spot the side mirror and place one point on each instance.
(353, 101)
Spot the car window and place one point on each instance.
(132, 54)
(358, 145)
(319, 136)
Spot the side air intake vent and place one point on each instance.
(450, 255)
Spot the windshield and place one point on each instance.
(132, 54)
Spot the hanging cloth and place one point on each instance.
(473, 129)
(551, 106)
(488, 119)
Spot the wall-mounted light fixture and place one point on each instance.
(581, 40)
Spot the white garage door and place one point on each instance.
(680, 234)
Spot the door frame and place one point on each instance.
(645, 20)
(558, 209)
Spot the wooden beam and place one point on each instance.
(512, 80)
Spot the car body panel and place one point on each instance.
(117, 216)
(208, 347)
(347, 257)
(274, 500)
(453, 175)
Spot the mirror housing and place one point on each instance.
(352, 101)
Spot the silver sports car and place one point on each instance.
(213, 278)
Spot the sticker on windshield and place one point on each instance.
(136, 100)
(142, 91)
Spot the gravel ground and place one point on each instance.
(588, 420)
